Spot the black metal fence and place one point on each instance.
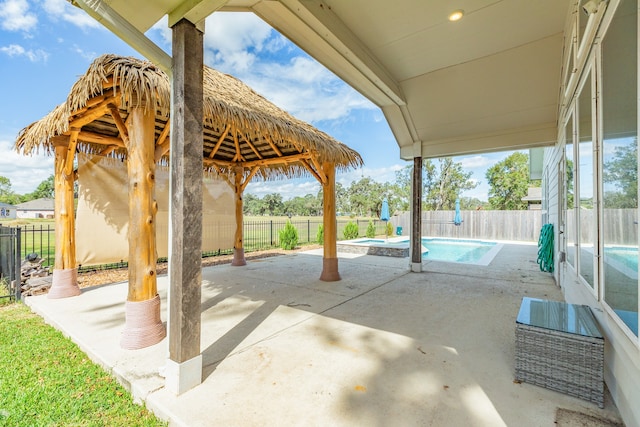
(10, 261)
(258, 235)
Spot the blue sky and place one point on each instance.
(45, 45)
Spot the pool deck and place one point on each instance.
(381, 347)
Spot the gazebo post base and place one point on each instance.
(416, 267)
(64, 283)
(143, 327)
(330, 270)
(238, 257)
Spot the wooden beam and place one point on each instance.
(92, 114)
(107, 150)
(238, 246)
(122, 127)
(108, 94)
(65, 254)
(71, 151)
(261, 162)
(330, 259)
(238, 155)
(142, 207)
(321, 178)
(165, 132)
(253, 148)
(273, 146)
(316, 165)
(96, 138)
(220, 141)
(248, 178)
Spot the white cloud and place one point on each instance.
(89, 56)
(15, 16)
(24, 172)
(472, 162)
(62, 9)
(17, 50)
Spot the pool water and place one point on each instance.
(625, 256)
(467, 251)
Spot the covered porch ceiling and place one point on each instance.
(485, 83)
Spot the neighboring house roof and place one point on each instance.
(37, 205)
(534, 195)
(7, 205)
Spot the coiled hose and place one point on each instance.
(545, 248)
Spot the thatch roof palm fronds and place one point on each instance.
(241, 128)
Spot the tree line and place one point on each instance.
(443, 180)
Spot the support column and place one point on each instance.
(416, 216)
(330, 260)
(238, 246)
(65, 272)
(143, 326)
(184, 367)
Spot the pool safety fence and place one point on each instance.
(258, 235)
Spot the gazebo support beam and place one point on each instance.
(143, 326)
(330, 259)
(238, 248)
(184, 367)
(65, 272)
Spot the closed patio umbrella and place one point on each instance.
(457, 219)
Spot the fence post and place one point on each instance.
(18, 272)
(271, 231)
(308, 230)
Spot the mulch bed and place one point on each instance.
(101, 277)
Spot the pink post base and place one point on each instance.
(238, 257)
(143, 326)
(330, 270)
(64, 283)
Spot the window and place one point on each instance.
(570, 217)
(620, 164)
(586, 218)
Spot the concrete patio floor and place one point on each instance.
(381, 347)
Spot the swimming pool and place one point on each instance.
(464, 251)
(477, 252)
(623, 259)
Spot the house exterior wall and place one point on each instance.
(23, 213)
(585, 226)
(7, 212)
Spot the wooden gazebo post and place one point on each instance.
(330, 260)
(65, 272)
(143, 326)
(238, 246)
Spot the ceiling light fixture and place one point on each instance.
(456, 15)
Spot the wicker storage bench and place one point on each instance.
(559, 347)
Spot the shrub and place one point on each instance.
(389, 229)
(288, 236)
(351, 230)
(371, 230)
(320, 234)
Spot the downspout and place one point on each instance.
(114, 22)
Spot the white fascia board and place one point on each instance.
(114, 22)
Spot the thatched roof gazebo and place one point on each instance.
(121, 108)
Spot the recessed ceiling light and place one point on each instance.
(456, 15)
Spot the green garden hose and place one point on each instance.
(545, 248)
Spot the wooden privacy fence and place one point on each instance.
(522, 226)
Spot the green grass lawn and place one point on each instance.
(46, 380)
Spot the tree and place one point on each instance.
(445, 183)
(442, 183)
(6, 194)
(622, 170)
(46, 189)
(509, 182)
(272, 204)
